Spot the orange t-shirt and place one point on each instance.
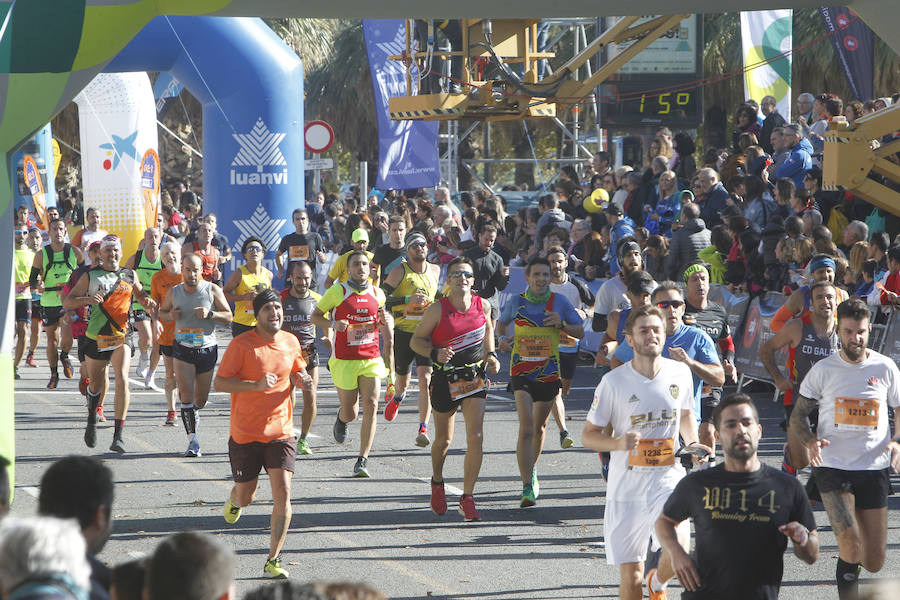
(269, 415)
(161, 283)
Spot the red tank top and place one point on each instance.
(210, 261)
(462, 332)
(360, 340)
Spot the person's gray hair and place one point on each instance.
(860, 229)
(174, 246)
(807, 96)
(441, 209)
(660, 163)
(793, 129)
(634, 178)
(39, 546)
(814, 216)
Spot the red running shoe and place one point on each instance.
(100, 416)
(29, 360)
(467, 508)
(170, 418)
(83, 384)
(391, 408)
(439, 499)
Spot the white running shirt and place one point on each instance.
(853, 402)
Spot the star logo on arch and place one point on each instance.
(119, 148)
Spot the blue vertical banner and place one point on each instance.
(407, 150)
(854, 47)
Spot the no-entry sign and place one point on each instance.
(318, 136)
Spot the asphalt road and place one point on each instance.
(380, 531)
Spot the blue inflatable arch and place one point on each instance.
(251, 87)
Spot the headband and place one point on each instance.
(629, 246)
(263, 298)
(110, 241)
(416, 237)
(821, 262)
(695, 268)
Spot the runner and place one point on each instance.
(299, 302)
(457, 332)
(821, 268)
(388, 256)
(23, 258)
(302, 245)
(258, 370)
(34, 243)
(195, 305)
(852, 450)
(357, 309)
(109, 289)
(340, 270)
(611, 295)
(164, 280)
(808, 339)
(580, 297)
(744, 512)
(711, 318)
(145, 263)
(411, 287)
(91, 232)
(649, 403)
(539, 317)
(53, 265)
(210, 255)
(245, 282)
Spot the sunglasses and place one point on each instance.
(670, 304)
(21, 232)
(417, 245)
(253, 249)
(459, 274)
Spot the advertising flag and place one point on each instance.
(854, 47)
(150, 186)
(767, 36)
(33, 181)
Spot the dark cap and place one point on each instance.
(613, 209)
(263, 298)
(640, 282)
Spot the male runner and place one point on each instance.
(258, 369)
(210, 255)
(711, 318)
(852, 449)
(53, 265)
(411, 287)
(356, 364)
(457, 332)
(649, 403)
(539, 317)
(611, 295)
(108, 290)
(34, 242)
(23, 258)
(164, 280)
(388, 256)
(302, 245)
(744, 512)
(808, 339)
(639, 286)
(91, 232)
(580, 297)
(821, 268)
(299, 302)
(145, 263)
(196, 306)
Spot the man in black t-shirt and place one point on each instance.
(387, 256)
(299, 246)
(743, 512)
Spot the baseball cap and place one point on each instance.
(360, 235)
(640, 282)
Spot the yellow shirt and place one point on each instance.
(243, 309)
(339, 271)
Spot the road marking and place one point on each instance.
(449, 488)
(31, 490)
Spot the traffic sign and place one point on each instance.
(318, 136)
(318, 163)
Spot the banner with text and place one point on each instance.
(854, 47)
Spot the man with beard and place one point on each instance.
(611, 295)
(852, 450)
(491, 274)
(648, 403)
(743, 511)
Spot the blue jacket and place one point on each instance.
(622, 229)
(798, 162)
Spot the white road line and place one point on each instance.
(31, 490)
(449, 488)
(136, 554)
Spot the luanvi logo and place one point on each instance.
(259, 148)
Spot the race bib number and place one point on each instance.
(566, 340)
(652, 453)
(534, 348)
(462, 388)
(189, 337)
(855, 414)
(414, 311)
(360, 334)
(108, 343)
(298, 252)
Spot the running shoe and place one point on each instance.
(170, 418)
(528, 497)
(232, 512)
(100, 416)
(142, 366)
(535, 485)
(16, 373)
(392, 406)
(54, 381)
(339, 430)
(193, 450)
(303, 447)
(29, 360)
(785, 465)
(389, 392)
(83, 384)
(438, 498)
(467, 508)
(565, 440)
(422, 439)
(654, 595)
(90, 433)
(118, 445)
(274, 570)
(67, 367)
(150, 379)
(361, 468)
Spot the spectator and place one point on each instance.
(81, 488)
(687, 242)
(632, 207)
(746, 119)
(685, 166)
(856, 256)
(812, 219)
(42, 558)
(716, 254)
(878, 247)
(594, 264)
(829, 106)
(127, 581)
(668, 207)
(853, 111)
(655, 256)
(758, 204)
(890, 293)
(805, 108)
(772, 121)
(784, 189)
(855, 231)
(551, 216)
(754, 264)
(601, 163)
(491, 275)
(580, 229)
(776, 272)
(779, 150)
(799, 159)
(190, 566)
(620, 195)
(868, 280)
(620, 227)
(713, 197)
